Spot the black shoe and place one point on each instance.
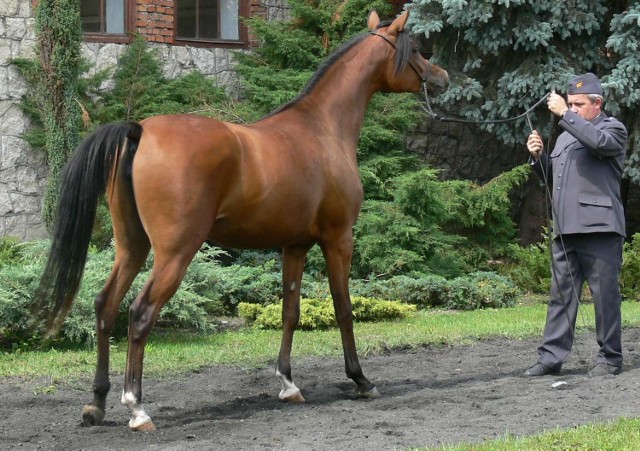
(540, 369)
(603, 369)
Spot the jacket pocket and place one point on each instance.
(596, 210)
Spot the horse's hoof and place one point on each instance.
(372, 393)
(147, 426)
(291, 395)
(92, 416)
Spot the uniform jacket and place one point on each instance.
(584, 173)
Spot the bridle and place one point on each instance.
(411, 63)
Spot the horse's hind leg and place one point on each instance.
(126, 266)
(168, 271)
(293, 260)
(338, 256)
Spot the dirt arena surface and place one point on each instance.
(430, 396)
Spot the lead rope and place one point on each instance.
(548, 197)
(430, 112)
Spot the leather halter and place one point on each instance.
(411, 63)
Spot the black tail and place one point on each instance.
(83, 180)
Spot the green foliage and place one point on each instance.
(141, 90)
(474, 291)
(319, 314)
(530, 267)
(210, 289)
(58, 37)
(188, 308)
(18, 280)
(481, 290)
(443, 228)
(630, 277)
(505, 55)
(11, 250)
(482, 214)
(424, 291)
(387, 241)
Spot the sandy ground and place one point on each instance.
(430, 396)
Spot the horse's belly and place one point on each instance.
(255, 234)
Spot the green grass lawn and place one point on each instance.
(171, 352)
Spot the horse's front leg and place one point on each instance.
(338, 256)
(293, 260)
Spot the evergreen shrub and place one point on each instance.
(630, 277)
(11, 250)
(481, 290)
(530, 266)
(319, 313)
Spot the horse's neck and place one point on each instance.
(341, 97)
(337, 104)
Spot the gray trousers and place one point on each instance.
(597, 259)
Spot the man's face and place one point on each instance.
(583, 107)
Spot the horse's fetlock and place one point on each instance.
(101, 388)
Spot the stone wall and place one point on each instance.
(23, 171)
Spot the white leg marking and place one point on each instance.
(138, 415)
(289, 389)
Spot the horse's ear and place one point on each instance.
(398, 24)
(373, 20)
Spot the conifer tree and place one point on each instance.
(504, 55)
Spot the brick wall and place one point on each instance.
(154, 20)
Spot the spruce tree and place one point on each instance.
(505, 55)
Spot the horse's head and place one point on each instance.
(409, 69)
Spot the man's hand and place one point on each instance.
(535, 144)
(556, 104)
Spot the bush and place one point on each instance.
(630, 277)
(423, 292)
(481, 290)
(10, 250)
(530, 267)
(18, 281)
(319, 314)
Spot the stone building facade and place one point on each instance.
(23, 171)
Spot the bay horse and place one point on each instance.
(289, 181)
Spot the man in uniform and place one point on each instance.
(583, 172)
